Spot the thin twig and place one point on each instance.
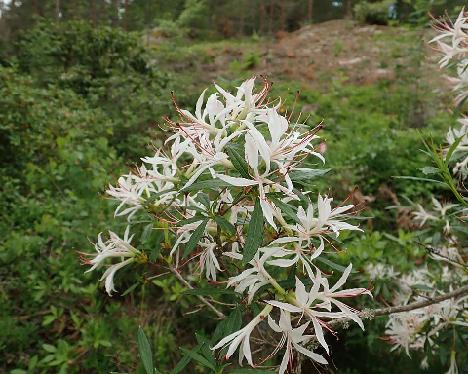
(419, 304)
(371, 313)
(200, 297)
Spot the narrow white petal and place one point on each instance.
(314, 356)
(285, 306)
(342, 279)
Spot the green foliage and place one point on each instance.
(385, 146)
(373, 12)
(254, 233)
(195, 16)
(144, 349)
(70, 107)
(106, 66)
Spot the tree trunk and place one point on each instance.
(126, 15)
(115, 18)
(261, 21)
(310, 8)
(35, 8)
(348, 9)
(94, 17)
(57, 10)
(282, 15)
(272, 17)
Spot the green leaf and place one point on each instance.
(227, 326)
(233, 322)
(146, 233)
(204, 199)
(453, 147)
(156, 248)
(195, 238)
(422, 287)
(409, 177)
(130, 289)
(225, 225)
(210, 184)
(332, 264)
(49, 348)
(238, 162)
(145, 351)
(181, 364)
(194, 219)
(199, 358)
(184, 361)
(205, 349)
(286, 209)
(254, 233)
(307, 174)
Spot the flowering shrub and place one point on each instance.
(437, 329)
(224, 192)
(225, 199)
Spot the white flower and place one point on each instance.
(441, 208)
(406, 282)
(115, 247)
(381, 271)
(304, 304)
(402, 330)
(328, 220)
(282, 149)
(127, 192)
(245, 104)
(242, 336)
(460, 83)
(452, 41)
(185, 232)
(329, 296)
(421, 215)
(293, 338)
(307, 302)
(252, 278)
(461, 150)
(208, 260)
(298, 253)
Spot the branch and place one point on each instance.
(368, 314)
(201, 298)
(419, 304)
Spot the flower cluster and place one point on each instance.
(224, 191)
(443, 230)
(452, 43)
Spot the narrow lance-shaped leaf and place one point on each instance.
(286, 209)
(452, 148)
(195, 238)
(254, 233)
(145, 351)
(239, 162)
(184, 361)
(225, 225)
(199, 358)
(207, 184)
